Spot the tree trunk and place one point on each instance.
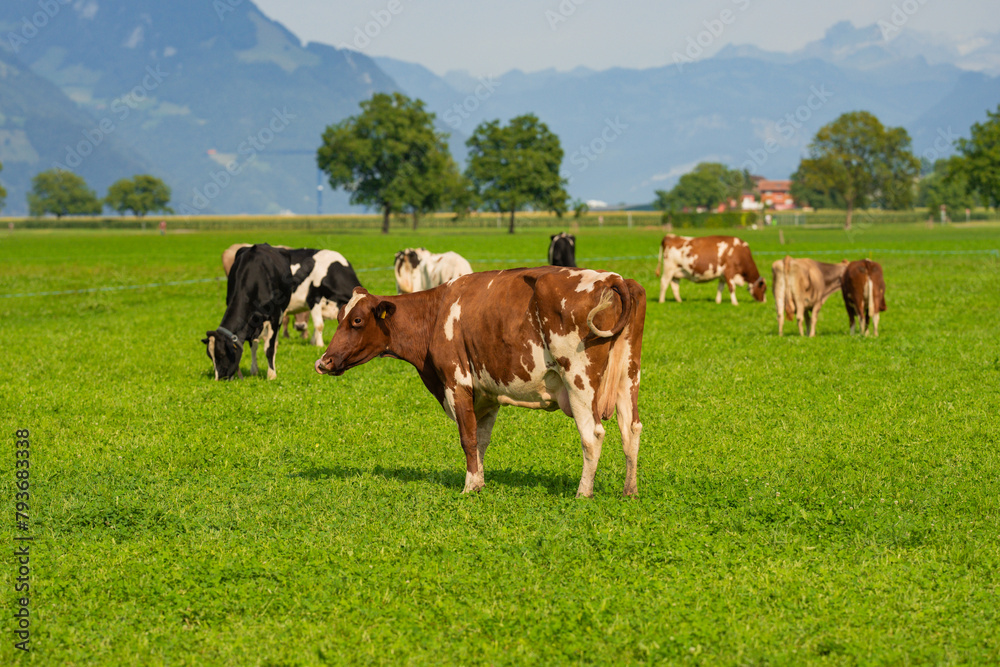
(511, 230)
(385, 219)
(850, 211)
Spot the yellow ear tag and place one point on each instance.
(382, 316)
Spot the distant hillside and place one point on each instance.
(192, 86)
(186, 88)
(37, 123)
(629, 132)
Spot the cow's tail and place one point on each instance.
(870, 304)
(607, 298)
(659, 261)
(785, 300)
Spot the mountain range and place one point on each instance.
(227, 106)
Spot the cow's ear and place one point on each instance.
(553, 237)
(384, 309)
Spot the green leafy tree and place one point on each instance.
(3, 193)
(980, 158)
(388, 156)
(140, 194)
(859, 161)
(707, 185)
(517, 166)
(946, 185)
(61, 193)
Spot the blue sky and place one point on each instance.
(495, 36)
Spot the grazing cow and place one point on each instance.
(264, 283)
(701, 259)
(562, 249)
(546, 338)
(419, 269)
(801, 287)
(229, 256)
(863, 287)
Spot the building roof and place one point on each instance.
(774, 186)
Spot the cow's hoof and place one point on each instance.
(580, 494)
(271, 374)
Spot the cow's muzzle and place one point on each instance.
(325, 367)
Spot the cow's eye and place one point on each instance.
(357, 321)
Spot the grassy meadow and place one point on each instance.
(833, 500)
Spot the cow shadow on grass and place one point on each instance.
(554, 485)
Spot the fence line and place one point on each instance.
(532, 261)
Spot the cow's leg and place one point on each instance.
(800, 317)
(675, 287)
(270, 338)
(630, 428)
(813, 315)
(718, 293)
(591, 438)
(465, 417)
(284, 322)
(317, 318)
(253, 356)
(732, 291)
(667, 278)
(484, 430)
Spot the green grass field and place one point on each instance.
(833, 500)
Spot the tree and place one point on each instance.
(980, 158)
(141, 194)
(61, 193)
(708, 185)
(388, 156)
(517, 166)
(946, 185)
(857, 159)
(3, 193)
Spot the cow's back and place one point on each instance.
(256, 279)
(507, 327)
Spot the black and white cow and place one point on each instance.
(562, 250)
(264, 283)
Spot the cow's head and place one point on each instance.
(362, 335)
(758, 289)
(225, 350)
(405, 267)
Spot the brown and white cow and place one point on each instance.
(546, 338)
(705, 258)
(863, 287)
(801, 287)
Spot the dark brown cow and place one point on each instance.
(705, 258)
(548, 337)
(863, 287)
(801, 287)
